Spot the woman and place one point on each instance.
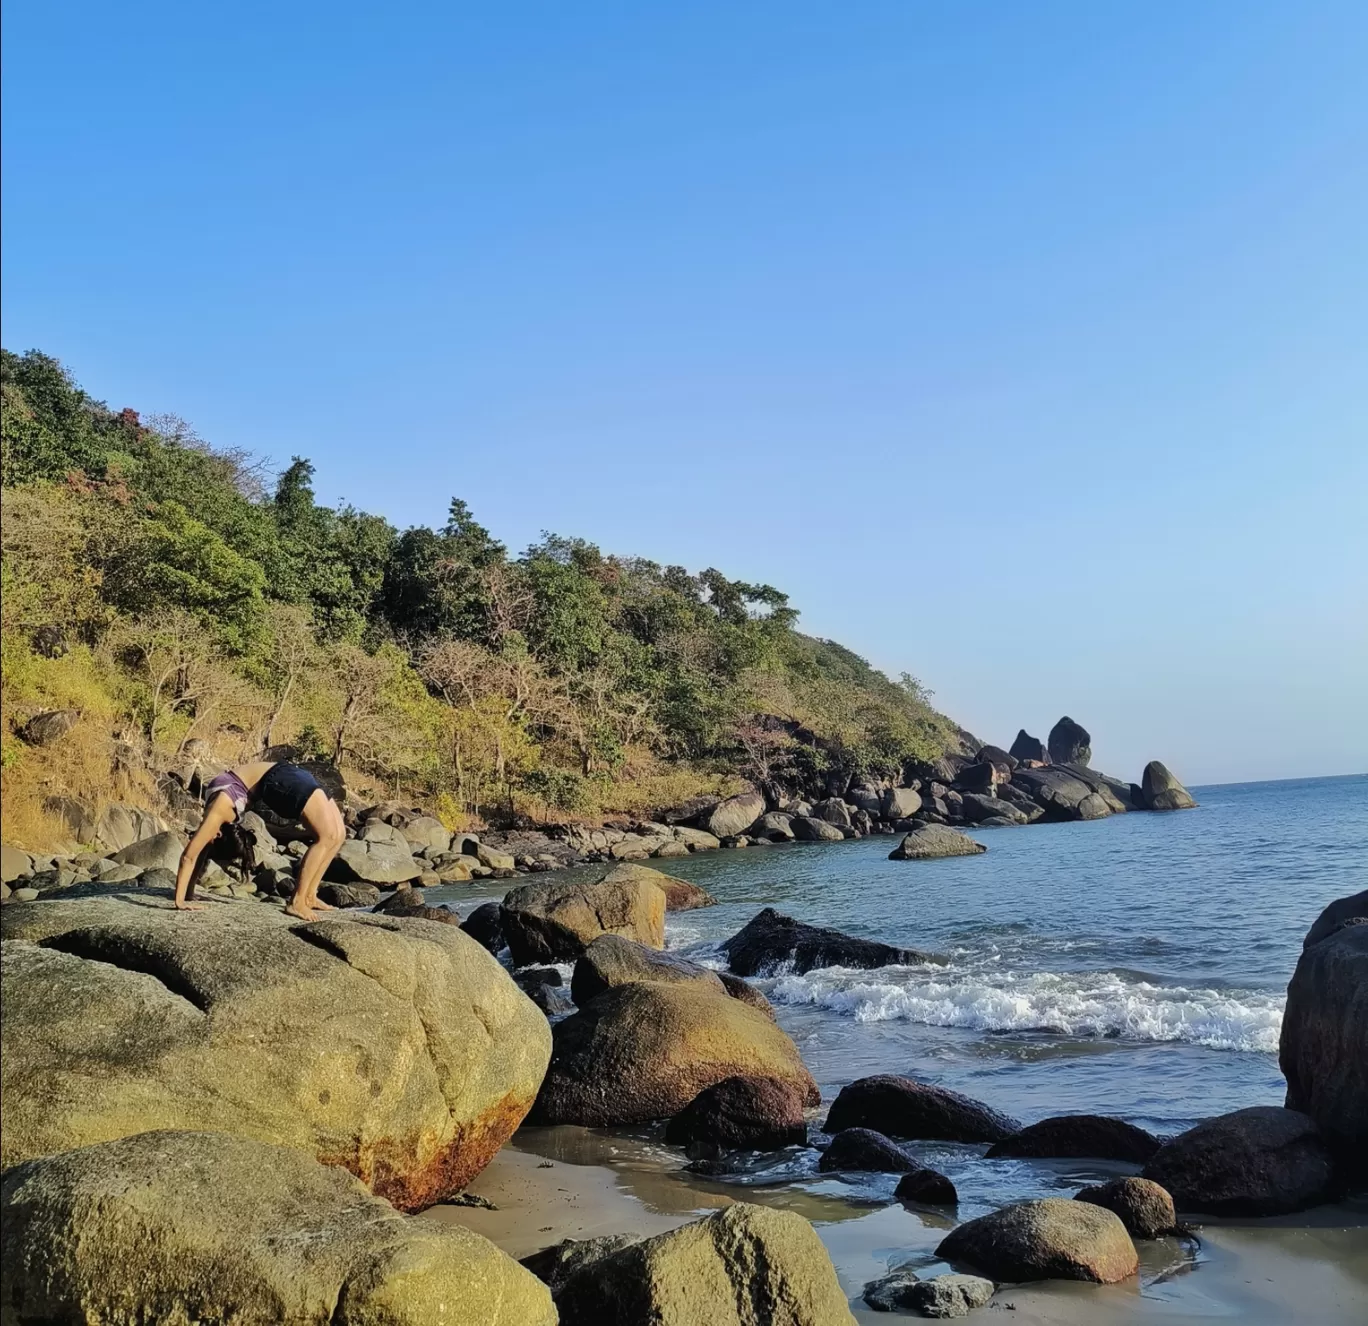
(293, 794)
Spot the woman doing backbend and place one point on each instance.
(293, 794)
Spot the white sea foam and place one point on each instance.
(1073, 1003)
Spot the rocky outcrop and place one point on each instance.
(1141, 1205)
(773, 827)
(172, 1226)
(769, 941)
(1080, 1135)
(979, 809)
(742, 1114)
(864, 1149)
(1027, 747)
(645, 1051)
(395, 1047)
(941, 1296)
(1050, 1239)
(926, 1187)
(556, 920)
(1162, 791)
(1069, 743)
(900, 1107)
(1260, 1161)
(1324, 1046)
(745, 1266)
(612, 961)
(734, 815)
(932, 841)
(1062, 793)
(810, 829)
(411, 904)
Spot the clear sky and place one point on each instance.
(1025, 344)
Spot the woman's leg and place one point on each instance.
(322, 817)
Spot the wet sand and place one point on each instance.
(557, 1183)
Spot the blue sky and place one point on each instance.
(1024, 344)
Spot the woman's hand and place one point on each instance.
(183, 906)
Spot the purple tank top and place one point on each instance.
(228, 782)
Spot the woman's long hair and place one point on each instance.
(234, 848)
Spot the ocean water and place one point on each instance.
(1135, 966)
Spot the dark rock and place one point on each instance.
(742, 1114)
(43, 729)
(833, 811)
(351, 895)
(746, 993)
(1162, 791)
(982, 778)
(864, 1149)
(810, 829)
(979, 809)
(1070, 743)
(1142, 1205)
(900, 1107)
(997, 756)
(611, 961)
(485, 926)
(545, 987)
(774, 827)
(1341, 912)
(926, 1187)
(1060, 792)
(555, 1265)
(1051, 1239)
(942, 1296)
(555, 920)
(1027, 747)
(932, 841)
(771, 940)
(1260, 1161)
(1080, 1135)
(688, 812)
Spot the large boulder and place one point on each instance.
(1027, 747)
(978, 808)
(485, 926)
(555, 1265)
(744, 1266)
(680, 894)
(14, 864)
(644, 1051)
(395, 1047)
(205, 1227)
(932, 841)
(810, 829)
(834, 811)
(774, 827)
(743, 1114)
(942, 1296)
(900, 803)
(734, 815)
(1069, 743)
(1080, 1135)
(361, 861)
(351, 895)
(1260, 1161)
(612, 961)
(981, 777)
(1049, 1239)
(1063, 794)
(1142, 1205)
(162, 851)
(900, 1107)
(556, 920)
(770, 941)
(45, 728)
(426, 833)
(1162, 791)
(926, 1187)
(864, 1149)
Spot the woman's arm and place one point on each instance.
(220, 810)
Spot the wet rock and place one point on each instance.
(612, 961)
(192, 1226)
(556, 920)
(545, 987)
(926, 1187)
(556, 1264)
(746, 993)
(350, 895)
(942, 1296)
(680, 894)
(485, 926)
(744, 1266)
(735, 815)
(410, 904)
(1142, 1205)
(1069, 743)
(810, 829)
(1162, 791)
(1260, 1161)
(397, 1048)
(644, 1051)
(1080, 1135)
(1050, 1239)
(900, 1107)
(864, 1149)
(742, 1114)
(932, 841)
(771, 940)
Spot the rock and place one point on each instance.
(612, 961)
(24, 894)
(1324, 1045)
(927, 1187)
(14, 864)
(395, 1047)
(696, 840)
(45, 728)
(192, 1226)
(744, 1266)
(865, 796)
(864, 1149)
(409, 903)
(833, 811)
(1027, 747)
(1049, 1239)
(494, 859)
(981, 778)
(556, 1264)
(746, 993)
(160, 852)
(673, 847)
(774, 827)
(995, 755)
(692, 811)
(810, 829)
(485, 926)
(545, 987)
(351, 895)
(734, 815)
(934, 840)
(900, 803)
(1080, 1135)
(644, 1051)
(978, 809)
(742, 1114)
(900, 1107)
(1069, 743)
(556, 920)
(456, 870)
(361, 861)
(1260, 1161)
(1142, 1205)
(1162, 791)
(942, 1296)
(382, 831)
(770, 940)
(1060, 792)
(426, 833)
(680, 894)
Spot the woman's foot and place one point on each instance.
(303, 913)
(322, 906)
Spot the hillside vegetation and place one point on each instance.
(175, 593)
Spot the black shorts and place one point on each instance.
(285, 789)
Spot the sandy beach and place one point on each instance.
(557, 1183)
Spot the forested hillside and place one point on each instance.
(170, 592)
